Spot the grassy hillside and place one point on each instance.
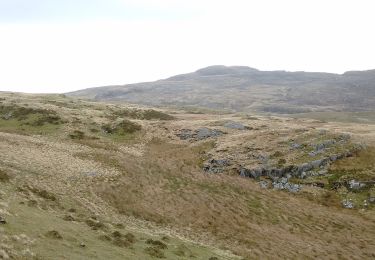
(243, 89)
(90, 180)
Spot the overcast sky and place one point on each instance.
(65, 45)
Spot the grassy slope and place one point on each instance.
(155, 187)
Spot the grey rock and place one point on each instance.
(356, 185)
(185, 134)
(283, 180)
(348, 204)
(204, 133)
(8, 115)
(220, 162)
(278, 185)
(322, 172)
(263, 184)
(282, 185)
(296, 146)
(303, 175)
(323, 145)
(304, 168)
(199, 134)
(371, 200)
(216, 165)
(291, 187)
(2, 220)
(333, 158)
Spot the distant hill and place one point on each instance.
(241, 88)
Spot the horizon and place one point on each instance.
(277, 70)
(58, 47)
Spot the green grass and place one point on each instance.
(25, 120)
(56, 238)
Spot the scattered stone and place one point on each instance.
(348, 204)
(371, 200)
(323, 145)
(283, 184)
(215, 166)
(82, 244)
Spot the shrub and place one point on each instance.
(122, 128)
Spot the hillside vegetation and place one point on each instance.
(244, 89)
(93, 180)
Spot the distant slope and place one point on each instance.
(240, 88)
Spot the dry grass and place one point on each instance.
(154, 184)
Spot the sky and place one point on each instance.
(56, 46)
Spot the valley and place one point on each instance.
(84, 179)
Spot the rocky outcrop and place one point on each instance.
(299, 171)
(284, 184)
(216, 166)
(198, 134)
